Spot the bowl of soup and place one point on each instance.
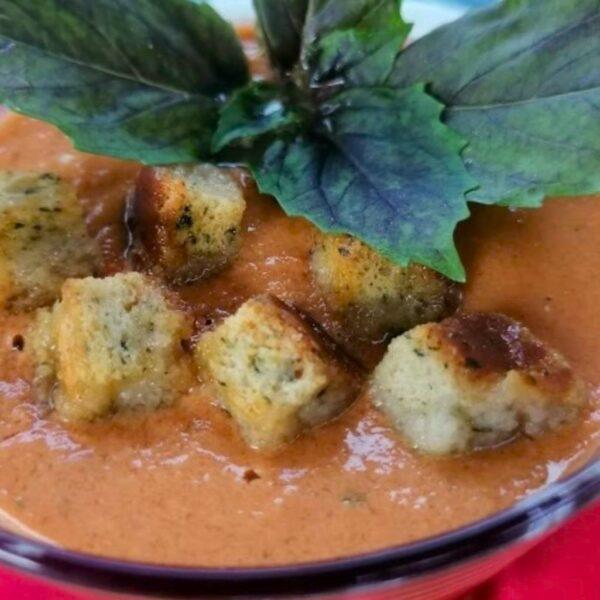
(196, 498)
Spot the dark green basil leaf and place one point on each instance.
(383, 168)
(132, 79)
(281, 23)
(251, 112)
(355, 41)
(522, 84)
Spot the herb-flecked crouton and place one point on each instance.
(187, 219)
(111, 344)
(373, 296)
(43, 239)
(273, 373)
(474, 381)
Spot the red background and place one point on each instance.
(564, 567)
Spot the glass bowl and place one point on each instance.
(432, 569)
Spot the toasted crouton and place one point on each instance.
(474, 381)
(43, 239)
(187, 219)
(111, 344)
(371, 295)
(273, 374)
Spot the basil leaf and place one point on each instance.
(383, 168)
(131, 79)
(325, 16)
(522, 84)
(281, 23)
(251, 112)
(355, 41)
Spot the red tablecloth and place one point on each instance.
(565, 567)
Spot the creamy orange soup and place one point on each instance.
(179, 485)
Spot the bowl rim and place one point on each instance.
(527, 520)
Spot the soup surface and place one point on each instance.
(179, 486)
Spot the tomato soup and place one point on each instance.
(179, 486)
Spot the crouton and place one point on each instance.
(187, 220)
(273, 373)
(111, 344)
(43, 239)
(371, 295)
(474, 381)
